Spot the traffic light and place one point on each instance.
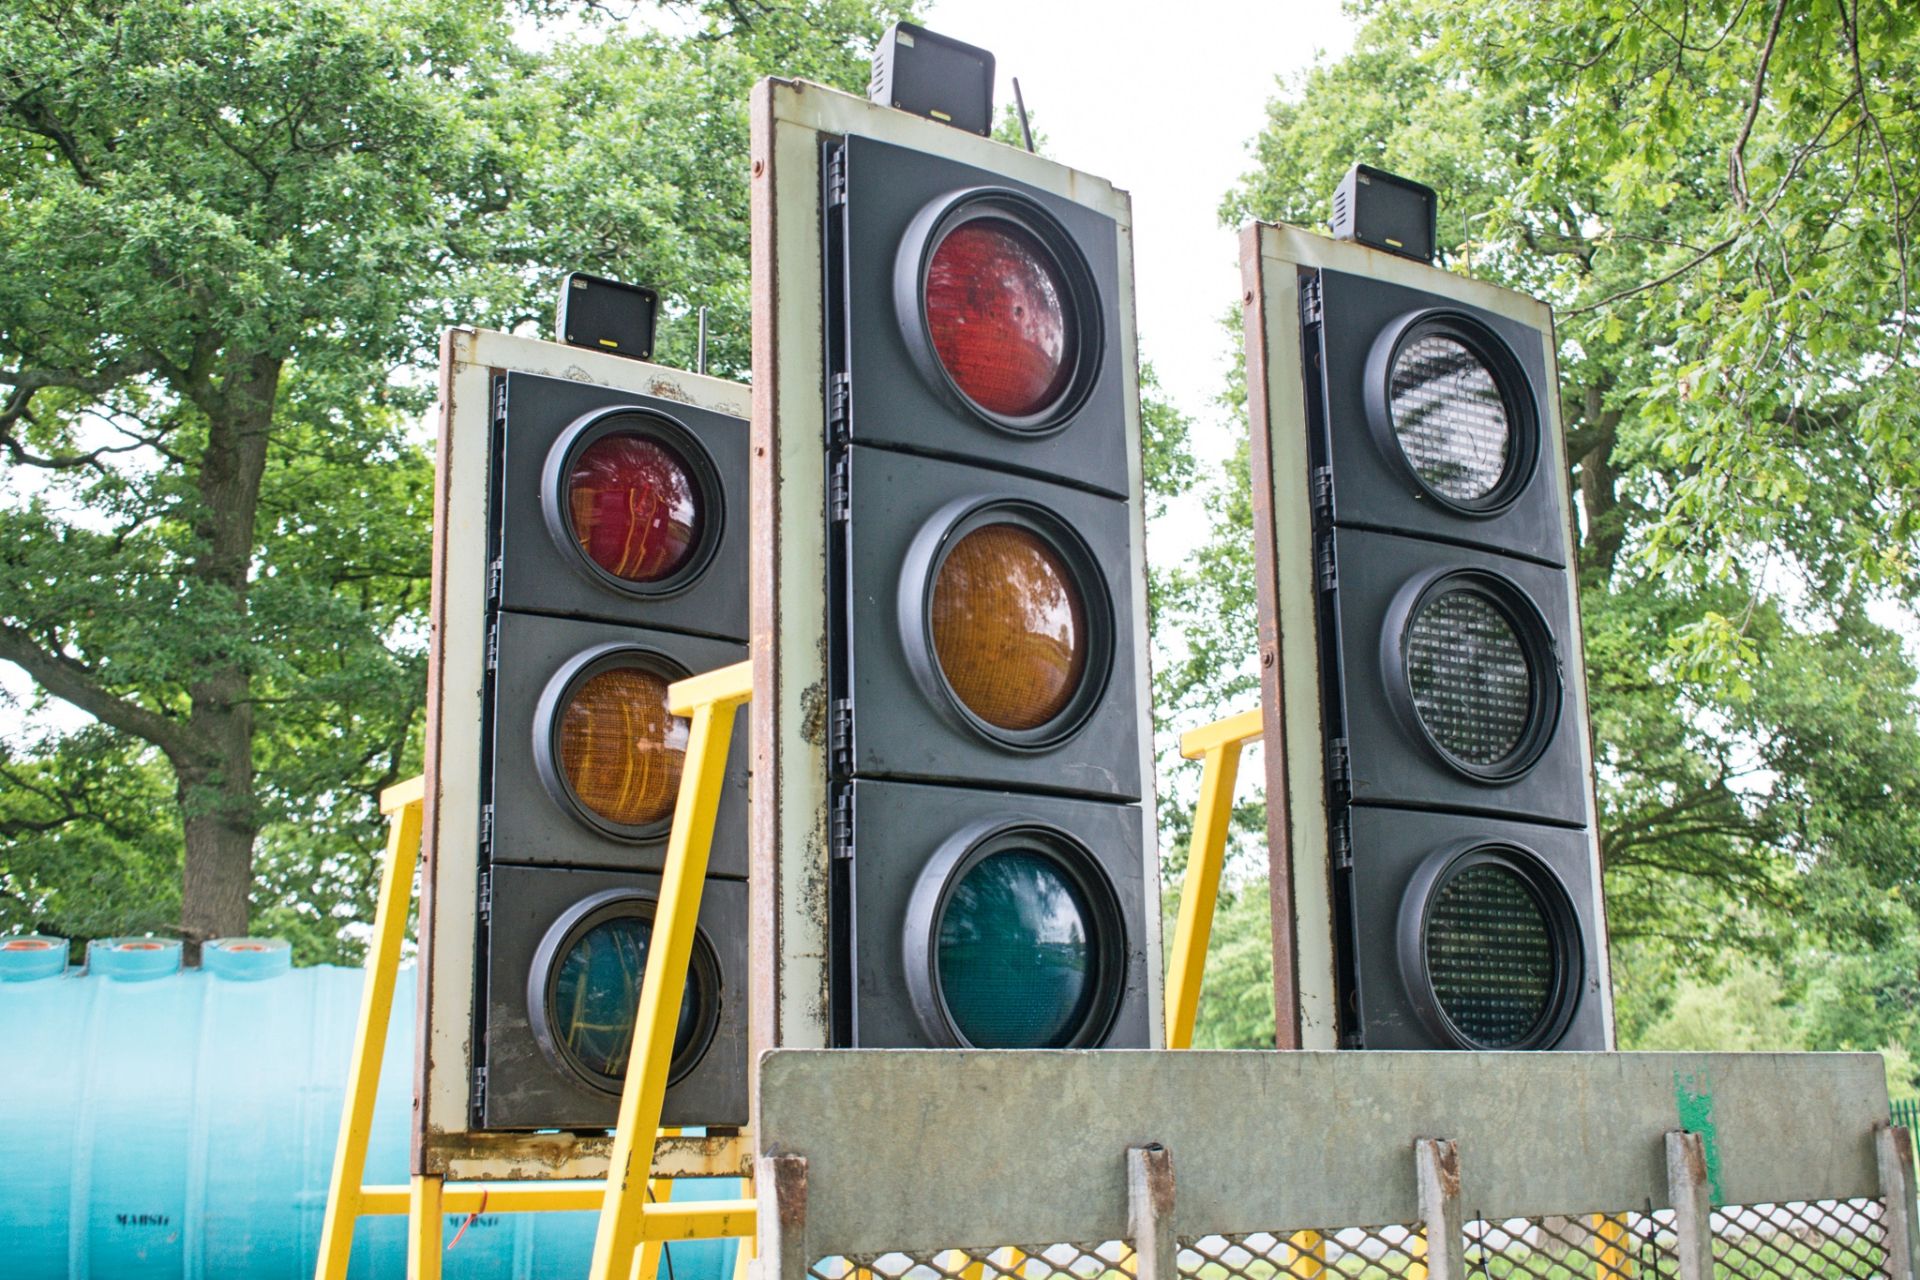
(1423, 658)
(981, 583)
(604, 543)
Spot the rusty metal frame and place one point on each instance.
(788, 874)
(1297, 820)
(444, 1143)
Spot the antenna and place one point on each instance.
(700, 352)
(1020, 105)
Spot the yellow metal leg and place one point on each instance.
(711, 700)
(404, 805)
(424, 1225)
(1417, 1250)
(1218, 744)
(744, 1251)
(1307, 1255)
(646, 1262)
(1612, 1260)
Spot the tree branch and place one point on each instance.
(72, 682)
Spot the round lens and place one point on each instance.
(596, 995)
(1491, 955)
(1449, 418)
(635, 507)
(1009, 626)
(621, 749)
(997, 312)
(1015, 955)
(1472, 684)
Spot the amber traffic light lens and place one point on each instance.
(621, 749)
(997, 312)
(1472, 683)
(1450, 418)
(1009, 626)
(636, 509)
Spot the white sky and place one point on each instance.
(1163, 100)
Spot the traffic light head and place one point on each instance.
(590, 550)
(1424, 660)
(971, 428)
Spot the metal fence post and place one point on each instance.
(1150, 1211)
(1894, 1151)
(781, 1252)
(1436, 1171)
(1691, 1194)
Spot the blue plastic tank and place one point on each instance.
(157, 1121)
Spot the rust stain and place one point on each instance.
(669, 389)
(790, 1190)
(1160, 1180)
(1447, 1162)
(813, 714)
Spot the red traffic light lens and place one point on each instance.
(1009, 626)
(621, 749)
(636, 509)
(999, 317)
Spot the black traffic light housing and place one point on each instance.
(987, 721)
(617, 544)
(1420, 618)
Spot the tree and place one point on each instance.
(1718, 201)
(234, 231)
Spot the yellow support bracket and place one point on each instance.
(1218, 745)
(627, 1221)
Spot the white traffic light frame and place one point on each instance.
(446, 1140)
(1280, 269)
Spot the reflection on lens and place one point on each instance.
(621, 749)
(1015, 957)
(1472, 684)
(997, 313)
(1009, 626)
(596, 995)
(1450, 418)
(636, 508)
(1491, 955)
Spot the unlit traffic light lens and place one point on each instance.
(1492, 954)
(635, 506)
(620, 748)
(1473, 686)
(1016, 954)
(1009, 626)
(999, 317)
(1449, 418)
(596, 993)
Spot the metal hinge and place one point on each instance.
(840, 827)
(500, 400)
(495, 571)
(493, 645)
(839, 490)
(485, 904)
(486, 829)
(479, 1088)
(840, 734)
(1312, 310)
(839, 399)
(1340, 837)
(1322, 483)
(1323, 564)
(837, 179)
(1339, 766)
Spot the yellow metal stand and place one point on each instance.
(627, 1221)
(1218, 745)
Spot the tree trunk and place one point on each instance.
(219, 816)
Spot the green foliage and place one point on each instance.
(1718, 199)
(234, 231)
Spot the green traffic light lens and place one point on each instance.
(1015, 953)
(596, 994)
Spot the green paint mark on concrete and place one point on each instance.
(1693, 1100)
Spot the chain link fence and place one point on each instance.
(1809, 1240)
